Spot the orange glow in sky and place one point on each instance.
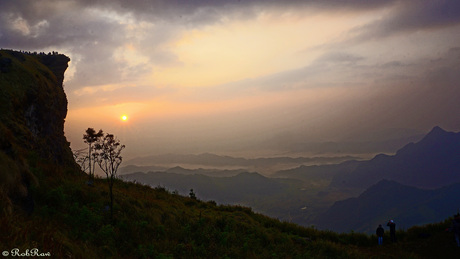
(252, 74)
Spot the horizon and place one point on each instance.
(249, 78)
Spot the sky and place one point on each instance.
(248, 76)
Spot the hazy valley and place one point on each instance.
(315, 190)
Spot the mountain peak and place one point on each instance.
(438, 135)
(436, 131)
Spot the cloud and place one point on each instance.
(90, 38)
(72, 20)
(408, 17)
(199, 11)
(339, 57)
(92, 32)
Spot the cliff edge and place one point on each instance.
(33, 107)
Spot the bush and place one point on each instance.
(105, 236)
(56, 198)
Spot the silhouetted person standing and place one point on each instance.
(379, 233)
(392, 226)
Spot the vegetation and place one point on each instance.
(104, 150)
(108, 157)
(89, 160)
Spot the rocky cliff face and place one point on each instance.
(33, 107)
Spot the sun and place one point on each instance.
(124, 118)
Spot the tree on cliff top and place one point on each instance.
(108, 156)
(90, 138)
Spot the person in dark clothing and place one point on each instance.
(456, 228)
(392, 226)
(379, 233)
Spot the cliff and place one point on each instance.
(33, 107)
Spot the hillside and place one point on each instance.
(48, 209)
(433, 162)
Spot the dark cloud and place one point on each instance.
(338, 57)
(71, 21)
(173, 9)
(92, 39)
(184, 12)
(53, 25)
(411, 16)
(393, 64)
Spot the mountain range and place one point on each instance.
(417, 185)
(433, 162)
(180, 170)
(209, 159)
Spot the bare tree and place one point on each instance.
(108, 156)
(90, 138)
(81, 157)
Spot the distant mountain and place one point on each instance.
(319, 172)
(208, 159)
(407, 205)
(207, 172)
(235, 189)
(180, 170)
(432, 162)
(129, 169)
